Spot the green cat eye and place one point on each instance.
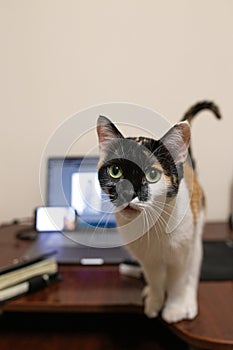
(153, 175)
(115, 171)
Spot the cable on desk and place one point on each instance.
(27, 234)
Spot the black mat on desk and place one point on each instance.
(217, 262)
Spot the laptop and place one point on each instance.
(73, 182)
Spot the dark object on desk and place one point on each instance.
(217, 261)
(217, 264)
(27, 234)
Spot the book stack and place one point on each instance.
(27, 277)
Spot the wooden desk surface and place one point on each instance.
(102, 290)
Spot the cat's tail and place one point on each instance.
(194, 110)
(200, 106)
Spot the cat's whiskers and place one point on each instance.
(161, 237)
(162, 222)
(165, 208)
(160, 217)
(159, 224)
(106, 220)
(145, 222)
(147, 232)
(148, 218)
(157, 232)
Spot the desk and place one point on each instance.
(97, 296)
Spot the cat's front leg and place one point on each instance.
(154, 293)
(183, 306)
(182, 302)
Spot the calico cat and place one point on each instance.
(159, 209)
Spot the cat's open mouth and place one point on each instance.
(132, 208)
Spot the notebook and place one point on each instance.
(73, 181)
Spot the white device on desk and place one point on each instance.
(55, 219)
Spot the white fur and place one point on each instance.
(170, 254)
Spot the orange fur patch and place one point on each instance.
(197, 198)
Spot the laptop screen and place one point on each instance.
(73, 181)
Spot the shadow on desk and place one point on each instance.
(85, 331)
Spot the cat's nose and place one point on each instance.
(125, 191)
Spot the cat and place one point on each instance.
(159, 207)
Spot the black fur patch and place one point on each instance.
(134, 156)
(175, 173)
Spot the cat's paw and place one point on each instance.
(177, 311)
(151, 304)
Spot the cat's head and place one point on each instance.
(135, 172)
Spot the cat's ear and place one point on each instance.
(177, 140)
(107, 132)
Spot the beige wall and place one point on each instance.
(59, 57)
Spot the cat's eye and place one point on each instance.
(153, 175)
(115, 171)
